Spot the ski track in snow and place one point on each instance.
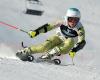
(30, 71)
(86, 61)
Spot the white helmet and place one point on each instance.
(73, 12)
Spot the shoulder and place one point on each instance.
(58, 23)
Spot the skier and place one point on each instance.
(69, 38)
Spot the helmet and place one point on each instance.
(73, 12)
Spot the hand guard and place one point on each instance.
(72, 54)
(32, 34)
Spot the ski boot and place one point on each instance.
(24, 55)
(49, 58)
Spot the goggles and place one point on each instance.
(73, 19)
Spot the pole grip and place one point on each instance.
(23, 31)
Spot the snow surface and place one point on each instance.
(87, 65)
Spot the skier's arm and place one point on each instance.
(43, 29)
(81, 40)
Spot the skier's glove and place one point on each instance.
(32, 34)
(72, 54)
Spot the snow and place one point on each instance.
(16, 70)
(86, 61)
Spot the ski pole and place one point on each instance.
(13, 27)
(73, 61)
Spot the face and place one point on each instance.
(72, 21)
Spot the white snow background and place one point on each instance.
(87, 65)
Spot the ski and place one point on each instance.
(39, 60)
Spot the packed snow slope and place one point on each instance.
(86, 61)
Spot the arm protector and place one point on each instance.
(79, 46)
(81, 40)
(43, 29)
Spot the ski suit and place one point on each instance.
(61, 42)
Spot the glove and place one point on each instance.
(32, 34)
(72, 54)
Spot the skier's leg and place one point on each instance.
(63, 48)
(47, 45)
(66, 46)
